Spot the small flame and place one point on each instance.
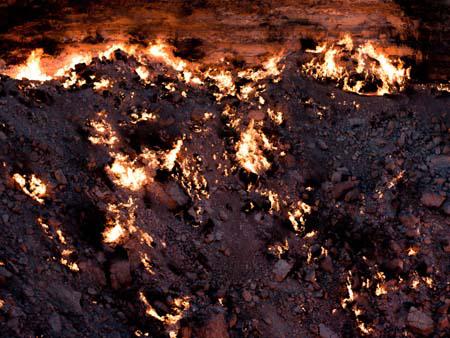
(143, 73)
(171, 157)
(113, 234)
(125, 173)
(162, 51)
(32, 68)
(171, 321)
(276, 117)
(297, 214)
(373, 65)
(121, 220)
(250, 150)
(102, 84)
(32, 187)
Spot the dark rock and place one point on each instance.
(120, 274)
(446, 207)
(432, 200)
(59, 175)
(247, 296)
(326, 332)
(55, 322)
(281, 270)
(67, 299)
(409, 220)
(93, 272)
(215, 327)
(340, 188)
(440, 162)
(4, 275)
(327, 264)
(419, 322)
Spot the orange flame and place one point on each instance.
(250, 150)
(32, 68)
(32, 187)
(372, 65)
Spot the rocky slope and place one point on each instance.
(344, 233)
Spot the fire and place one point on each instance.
(191, 178)
(32, 187)
(171, 157)
(102, 84)
(351, 296)
(373, 66)
(66, 250)
(171, 321)
(65, 260)
(32, 68)
(113, 234)
(71, 62)
(63, 68)
(121, 221)
(126, 174)
(224, 81)
(270, 68)
(276, 117)
(251, 148)
(297, 214)
(104, 133)
(162, 51)
(143, 73)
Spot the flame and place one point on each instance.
(104, 133)
(102, 84)
(121, 221)
(143, 73)
(162, 51)
(65, 260)
(351, 296)
(113, 234)
(224, 81)
(32, 187)
(374, 66)
(171, 321)
(270, 68)
(71, 62)
(32, 68)
(250, 150)
(66, 250)
(171, 157)
(191, 179)
(276, 117)
(126, 174)
(297, 214)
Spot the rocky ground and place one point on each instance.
(344, 234)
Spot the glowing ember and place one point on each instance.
(297, 215)
(32, 69)
(143, 73)
(375, 73)
(104, 133)
(276, 117)
(171, 321)
(114, 234)
(121, 220)
(32, 187)
(125, 174)
(251, 148)
(65, 260)
(171, 157)
(71, 62)
(102, 84)
(224, 81)
(162, 51)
